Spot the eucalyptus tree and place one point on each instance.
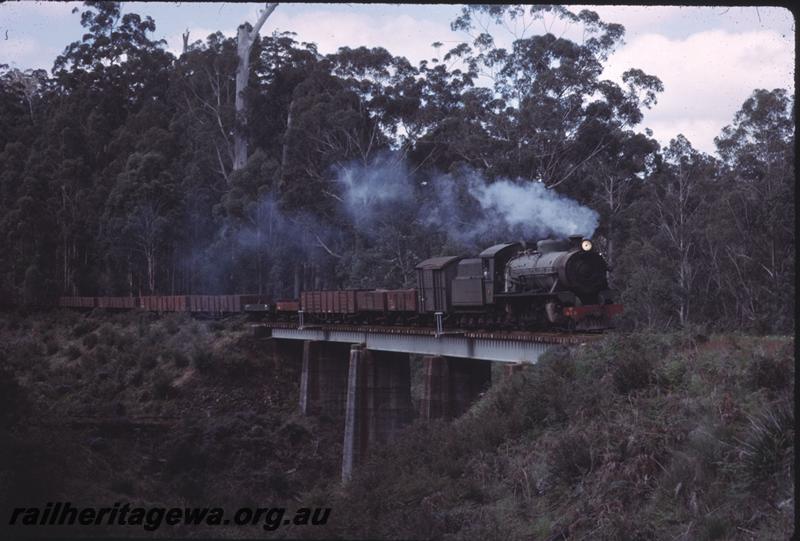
(203, 89)
(681, 205)
(614, 181)
(115, 64)
(245, 36)
(29, 85)
(137, 223)
(555, 115)
(663, 262)
(17, 100)
(755, 238)
(100, 83)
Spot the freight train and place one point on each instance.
(195, 304)
(554, 284)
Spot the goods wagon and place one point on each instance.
(212, 304)
(329, 302)
(287, 306)
(371, 301)
(401, 300)
(117, 303)
(163, 303)
(77, 302)
(222, 304)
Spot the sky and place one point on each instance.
(710, 59)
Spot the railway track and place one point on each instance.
(519, 336)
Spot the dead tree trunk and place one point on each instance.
(245, 39)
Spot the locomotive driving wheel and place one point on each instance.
(554, 313)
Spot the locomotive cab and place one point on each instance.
(493, 260)
(479, 279)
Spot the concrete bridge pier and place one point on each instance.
(378, 402)
(286, 350)
(511, 369)
(282, 352)
(323, 380)
(451, 385)
(389, 406)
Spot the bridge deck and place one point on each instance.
(511, 347)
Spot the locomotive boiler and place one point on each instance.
(568, 278)
(558, 265)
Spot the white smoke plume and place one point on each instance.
(533, 210)
(470, 209)
(369, 192)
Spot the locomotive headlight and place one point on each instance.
(586, 245)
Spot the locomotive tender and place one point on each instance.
(558, 284)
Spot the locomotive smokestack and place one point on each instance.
(575, 241)
(529, 244)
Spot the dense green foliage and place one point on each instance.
(116, 171)
(152, 411)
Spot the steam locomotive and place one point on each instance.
(556, 284)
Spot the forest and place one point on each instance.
(128, 170)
